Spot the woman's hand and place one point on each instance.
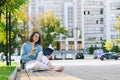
(31, 53)
(33, 49)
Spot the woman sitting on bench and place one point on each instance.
(31, 55)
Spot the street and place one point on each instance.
(91, 69)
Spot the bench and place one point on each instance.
(45, 75)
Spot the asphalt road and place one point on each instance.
(91, 69)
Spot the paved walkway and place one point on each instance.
(91, 69)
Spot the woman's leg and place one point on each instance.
(36, 65)
(54, 68)
(46, 64)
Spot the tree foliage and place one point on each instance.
(103, 46)
(108, 45)
(2, 33)
(17, 10)
(50, 28)
(116, 49)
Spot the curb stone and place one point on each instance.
(14, 74)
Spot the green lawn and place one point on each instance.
(5, 71)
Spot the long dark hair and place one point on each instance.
(31, 37)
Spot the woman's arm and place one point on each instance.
(24, 54)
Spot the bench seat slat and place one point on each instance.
(32, 76)
(24, 76)
(46, 75)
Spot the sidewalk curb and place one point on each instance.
(13, 75)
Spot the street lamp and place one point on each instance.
(60, 42)
(77, 35)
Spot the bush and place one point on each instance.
(91, 49)
(116, 49)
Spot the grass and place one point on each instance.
(5, 71)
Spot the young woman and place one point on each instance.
(31, 54)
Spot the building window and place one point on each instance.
(118, 8)
(71, 45)
(79, 45)
(88, 12)
(101, 11)
(84, 13)
(114, 36)
(101, 29)
(63, 47)
(70, 33)
(96, 21)
(101, 20)
(115, 6)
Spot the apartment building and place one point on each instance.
(94, 24)
(88, 22)
(112, 11)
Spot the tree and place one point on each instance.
(108, 45)
(91, 49)
(103, 46)
(116, 49)
(50, 28)
(35, 22)
(21, 19)
(17, 10)
(10, 5)
(8, 8)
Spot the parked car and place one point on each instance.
(50, 57)
(58, 57)
(79, 56)
(97, 53)
(69, 56)
(109, 55)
